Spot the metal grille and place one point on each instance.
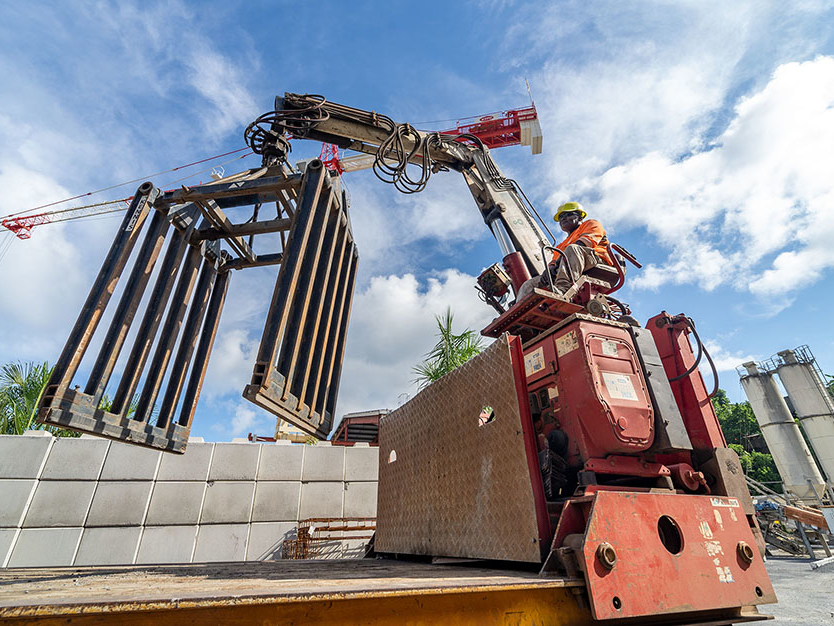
(156, 394)
(449, 486)
(321, 537)
(296, 375)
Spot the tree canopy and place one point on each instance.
(738, 424)
(450, 352)
(21, 386)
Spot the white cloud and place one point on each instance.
(765, 187)
(724, 359)
(392, 328)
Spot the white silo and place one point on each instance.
(781, 433)
(811, 402)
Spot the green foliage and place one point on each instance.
(450, 352)
(736, 418)
(738, 422)
(21, 386)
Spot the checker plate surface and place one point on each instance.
(458, 489)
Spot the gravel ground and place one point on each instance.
(806, 596)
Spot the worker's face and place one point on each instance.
(569, 221)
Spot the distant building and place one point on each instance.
(362, 426)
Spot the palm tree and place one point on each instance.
(21, 386)
(450, 352)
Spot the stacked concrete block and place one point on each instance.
(90, 501)
(176, 505)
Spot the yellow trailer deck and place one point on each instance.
(287, 592)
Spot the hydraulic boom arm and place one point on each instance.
(401, 150)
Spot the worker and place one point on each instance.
(585, 247)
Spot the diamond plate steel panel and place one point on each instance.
(456, 488)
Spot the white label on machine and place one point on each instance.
(725, 502)
(619, 386)
(609, 348)
(566, 343)
(534, 362)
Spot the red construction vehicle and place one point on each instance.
(579, 445)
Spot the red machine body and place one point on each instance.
(587, 380)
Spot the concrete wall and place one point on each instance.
(90, 501)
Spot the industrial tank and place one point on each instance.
(792, 457)
(811, 402)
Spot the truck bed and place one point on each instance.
(285, 592)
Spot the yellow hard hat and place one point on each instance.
(567, 207)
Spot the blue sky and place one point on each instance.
(700, 133)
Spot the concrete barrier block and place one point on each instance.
(40, 547)
(193, 465)
(321, 500)
(128, 462)
(361, 463)
(119, 503)
(166, 544)
(22, 456)
(221, 542)
(323, 463)
(175, 503)
(266, 540)
(280, 462)
(59, 503)
(276, 501)
(234, 461)
(360, 499)
(108, 546)
(7, 537)
(228, 502)
(14, 499)
(75, 459)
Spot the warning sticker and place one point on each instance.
(609, 348)
(725, 502)
(619, 386)
(566, 343)
(534, 362)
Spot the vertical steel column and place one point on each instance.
(287, 284)
(188, 341)
(153, 316)
(201, 359)
(126, 310)
(102, 290)
(168, 336)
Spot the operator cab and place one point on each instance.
(540, 309)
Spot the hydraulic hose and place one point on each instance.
(702, 351)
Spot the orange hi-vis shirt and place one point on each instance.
(592, 234)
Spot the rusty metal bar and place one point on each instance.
(201, 358)
(322, 293)
(67, 364)
(299, 359)
(220, 221)
(249, 228)
(199, 301)
(296, 325)
(264, 260)
(340, 273)
(168, 336)
(288, 277)
(126, 310)
(153, 316)
(331, 386)
(237, 193)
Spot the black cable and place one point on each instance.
(702, 351)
